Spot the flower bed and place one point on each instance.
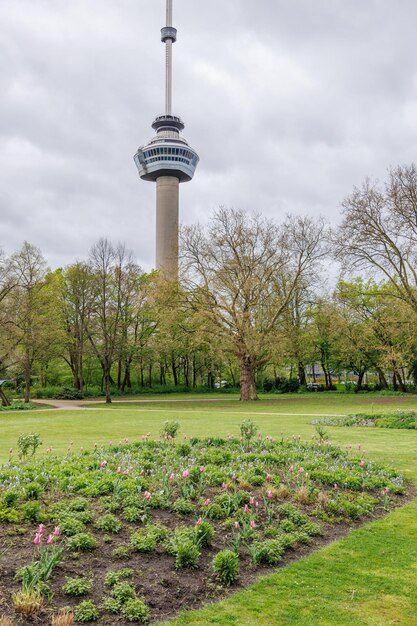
(400, 419)
(137, 532)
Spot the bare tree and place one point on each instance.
(242, 273)
(379, 232)
(111, 270)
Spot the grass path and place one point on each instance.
(366, 579)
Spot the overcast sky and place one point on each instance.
(289, 105)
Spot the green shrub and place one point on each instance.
(248, 431)
(111, 605)
(71, 526)
(28, 444)
(108, 523)
(32, 491)
(187, 554)
(10, 498)
(226, 566)
(31, 511)
(170, 430)
(204, 534)
(122, 552)
(82, 542)
(86, 612)
(183, 506)
(269, 551)
(133, 514)
(216, 512)
(135, 610)
(77, 586)
(113, 577)
(146, 539)
(123, 591)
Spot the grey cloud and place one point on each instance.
(288, 104)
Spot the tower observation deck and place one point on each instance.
(167, 160)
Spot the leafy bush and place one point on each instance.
(170, 430)
(111, 605)
(134, 514)
(82, 542)
(113, 577)
(135, 610)
(32, 491)
(269, 551)
(86, 612)
(123, 591)
(226, 566)
(108, 523)
(28, 444)
(187, 554)
(77, 586)
(70, 526)
(248, 430)
(204, 534)
(183, 506)
(31, 511)
(146, 540)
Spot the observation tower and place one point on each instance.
(167, 160)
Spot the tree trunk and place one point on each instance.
(247, 379)
(382, 378)
(401, 384)
(302, 378)
(107, 378)
(360, 381)
(150, 375)
(3, 398)
(27, 378)
(174, 370)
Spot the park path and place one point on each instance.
(83, 405)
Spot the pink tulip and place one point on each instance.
(185, 474)
(125, 473)
(207, 502)
(37, 540)
(270, 495)
(201, 469)
(252, 501)
(147, 495)
(268, 478)
(233, 476)
(103, 464)
(50, 539)
(119, 470)
(57, 531)
(41, 529)
(253, 524)
(301, 470)
(237, 525)
(291, 469)
(199, 521)
(246, 509)
(172, 477)
(362, 463)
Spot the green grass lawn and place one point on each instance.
(368, 578)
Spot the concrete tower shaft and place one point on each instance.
(167, 160)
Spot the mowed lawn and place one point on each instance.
(368, 578)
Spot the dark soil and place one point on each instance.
(165, 590)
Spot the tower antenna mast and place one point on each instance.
(168, 63)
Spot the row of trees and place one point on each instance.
(251, 302)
